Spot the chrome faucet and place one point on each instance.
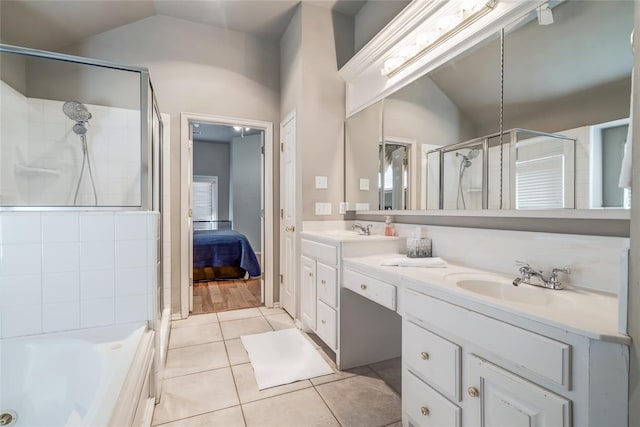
(531, 276)
(364, 230)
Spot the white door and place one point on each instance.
(506, 400)
(397, 171)
(288, 247)
(262, 236)
(190, 215)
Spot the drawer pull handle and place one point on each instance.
(324, 282)
(310, 274)
(424, 410)
(424, 355)
(473, 392)
(363, 286)
(323, 321)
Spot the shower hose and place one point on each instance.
(85, 160)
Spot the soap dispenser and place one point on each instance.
(388, 227)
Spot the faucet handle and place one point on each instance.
(566, 270)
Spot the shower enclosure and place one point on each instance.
(523, 169)
(81, 221)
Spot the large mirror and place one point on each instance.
(566, 91)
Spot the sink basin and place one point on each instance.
(501, 288)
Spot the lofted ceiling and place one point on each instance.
(55, 24)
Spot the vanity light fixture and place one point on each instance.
(447, 26)
(545, 15)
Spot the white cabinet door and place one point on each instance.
(308, 293)
(506, 400)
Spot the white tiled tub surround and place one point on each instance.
(37, 137)
(69, 270)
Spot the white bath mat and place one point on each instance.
(282, 357)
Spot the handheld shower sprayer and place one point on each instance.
(79, 113)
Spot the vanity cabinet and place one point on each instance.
(464, 368)
(326, 304)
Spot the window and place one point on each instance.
(540, 183)
(205, 201)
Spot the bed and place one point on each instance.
(223, 254)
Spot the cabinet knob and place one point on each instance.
(310, 274)
(424, 355)
(424, 410)
(473, 392)
(323, 321)
(324, 282)
(363, 286)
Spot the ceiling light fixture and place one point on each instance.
(447, 25)
(237, 128)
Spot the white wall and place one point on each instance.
(70, 270)
(200, 69)
(245, 187)
(213, 159)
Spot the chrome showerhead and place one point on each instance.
(473, 153)
(76, 111)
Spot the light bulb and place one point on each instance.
(447, 23)
(237, 128)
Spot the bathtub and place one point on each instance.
(86, 377)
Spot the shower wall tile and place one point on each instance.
(97, 255)
(131, 308)
(62, 316)
(19, 228)
(20, 259)
(97, 312)
(20, 290)
(60, 257)
(131, 253)
(21, 320)
(96, 284)
(62, 227)
(131, 226)
(131, 281)
(97, 226)
(60, 287)
(92, 279)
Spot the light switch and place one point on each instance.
(362, 206)
(323, 208)
(364, 184)
(322, 182)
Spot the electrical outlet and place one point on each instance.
(343, 207)
(364, 184)
(323, 208)
(322, 182)
(362, 206)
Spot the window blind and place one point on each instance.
(540, 183)
(203, 203)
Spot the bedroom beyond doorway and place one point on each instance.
(226, 198)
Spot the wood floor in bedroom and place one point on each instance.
(223, 295)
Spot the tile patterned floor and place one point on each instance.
(208, 381)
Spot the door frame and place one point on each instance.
(268, 242)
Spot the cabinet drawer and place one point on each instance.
(434, 358)
(327, 284)
(327, 324)
(425, 406)
(544, 357)
(327, 254)
(376, 290)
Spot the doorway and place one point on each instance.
(227, 221)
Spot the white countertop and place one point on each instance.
(338, 236)
(587, 313)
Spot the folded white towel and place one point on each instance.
(434, 262)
